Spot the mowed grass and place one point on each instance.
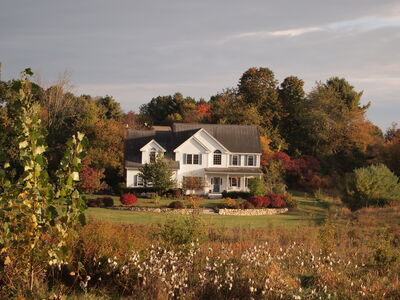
(309, 212)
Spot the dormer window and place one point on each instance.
(153, 153)
(217, 157)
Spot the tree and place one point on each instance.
(192, 183)
(292, 97)
(346, 93)
(228, 107)
(256, 187)
(158, 174)
(258, 87)
(163, 110)
(112, 109)
(39, 220)
(91, 179)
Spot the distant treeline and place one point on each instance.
(327, 125)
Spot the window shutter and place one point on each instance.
(230, 160)
(184, 158)
(245, 160)
(238, 183)
(135, 180)
(255, 160)
(200, 159)
(239, 160)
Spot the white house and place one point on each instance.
(223, 156)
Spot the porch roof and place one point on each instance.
(234, 170)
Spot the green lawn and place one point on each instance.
(163, 202)
(309, 212)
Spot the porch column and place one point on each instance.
(206, 188)
(227, 182)
(243, 184)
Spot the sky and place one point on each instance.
(136, 50)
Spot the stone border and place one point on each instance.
(202, 211)
(252, 212)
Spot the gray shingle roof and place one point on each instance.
(236, 138)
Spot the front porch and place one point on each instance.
(217, 181)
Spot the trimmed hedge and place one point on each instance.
(107, 201)
(176, 204)
(236, 195)
(139, 190)
(96, 202)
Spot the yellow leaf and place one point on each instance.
(75, 176)
(7, 261)
(23, 144)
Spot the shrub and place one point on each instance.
(193, 201)
(107, 201)
(229, 203)
(375, 185)
(128, 199)
(248, 205)
(290, 202)
(276, 200)
(175, 193)
(256, 187)
(259, 202)
(235, 195)
(93, 202)
(139, 190)
(182, 232)
(176, 204)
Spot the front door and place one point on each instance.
(216, 182)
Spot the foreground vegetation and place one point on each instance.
(352, 255)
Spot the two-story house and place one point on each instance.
(224, 157)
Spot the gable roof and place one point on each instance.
(231, 136)
(136, 139)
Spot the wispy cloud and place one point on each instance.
(362, 24)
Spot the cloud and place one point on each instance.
(359, 25)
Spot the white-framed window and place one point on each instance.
(250, 160)
(153, 154)
(137, 180)
(192, 159)
(217, 157)
(234, 181)
(235, 160)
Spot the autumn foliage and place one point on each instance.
(128, 199)
(91, 179)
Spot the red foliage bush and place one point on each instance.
(269, 200)
(276, 200)
(259, 201)
(128, 199)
